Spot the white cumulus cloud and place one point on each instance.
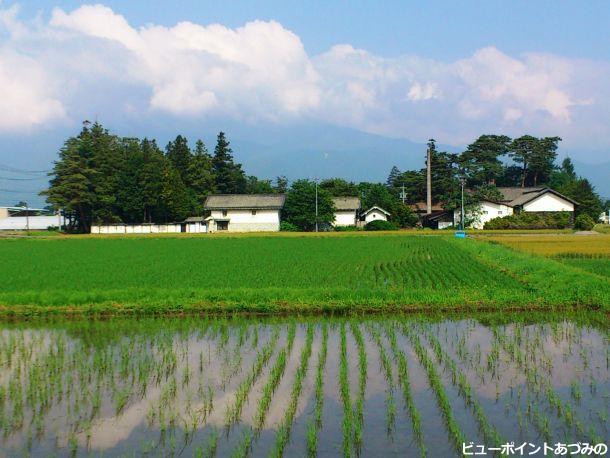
(28, 98)
(260, 72)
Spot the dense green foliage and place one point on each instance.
(529, 220)
(285, 272)
(380, 225)
(584, 222)
(565, 180)
(300, 206)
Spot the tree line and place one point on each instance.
(493, 161)
(101, 178)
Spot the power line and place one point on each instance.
(23, 179)
(8, 168)
(20, 192)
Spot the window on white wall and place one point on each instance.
(253, 212)
(499, 212)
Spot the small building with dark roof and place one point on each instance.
(346, 210)
(244, 212)
(374, 213)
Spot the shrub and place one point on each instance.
(380, 225)
(346, 228)
(584, 222)
(285, 226)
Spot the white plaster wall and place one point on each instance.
(136, 229)
(487, 211)
(196, 228)
(254, 227)
(345, 218)
(246, 216)
(374, 216)
(549, 203)
(17, 223)
(3, 213)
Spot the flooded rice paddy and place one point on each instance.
(374, 386)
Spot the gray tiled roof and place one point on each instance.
(346, 203)
(515, 197)
(511, 194)
(244, 201)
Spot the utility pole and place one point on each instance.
(27, 219)
(462, 182)
(316, 181)
(403, 195)
(429, 177)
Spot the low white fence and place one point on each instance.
(174, 228)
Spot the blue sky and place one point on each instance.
(440, 29)
(277, 73)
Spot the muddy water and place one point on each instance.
(170, 386)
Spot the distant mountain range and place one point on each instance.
(325, 151)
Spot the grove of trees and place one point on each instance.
(102, 178)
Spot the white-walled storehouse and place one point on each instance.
(374, 214)
(515, 200)
(244, 212)
(346, 210)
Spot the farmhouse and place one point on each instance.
(374, 213)
(346, 210)
(516, 200)
(244, 212)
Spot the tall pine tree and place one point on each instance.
(229, 176)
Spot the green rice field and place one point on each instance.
(284, 274)
(399, 385)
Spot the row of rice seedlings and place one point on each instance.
(465, 389)
(283, 434)
(273, 380)
(209, 450)
(277, 372)
(233, 412)
(344, 391)
(404, 380)
(539, 384)
(316, 424)
(362, 376)
(435, 382)
(386, 367)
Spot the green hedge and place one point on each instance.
(528, 220)
(380, 225)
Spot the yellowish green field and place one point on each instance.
(553, 245)
(587, 252)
